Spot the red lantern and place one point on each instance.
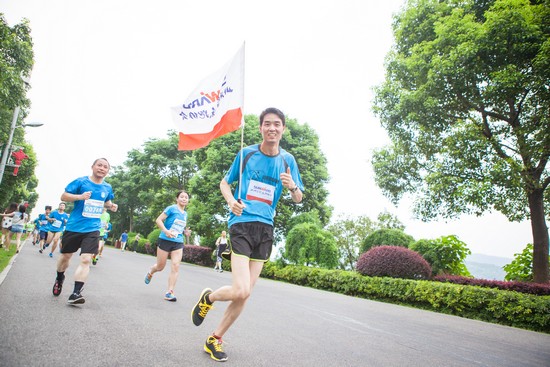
(19, 156)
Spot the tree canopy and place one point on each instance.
(148, 182)
(465, 102)
(349, 233)
(310, 245)
(16, 62)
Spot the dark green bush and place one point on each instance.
(388, 237)
(153, 237)
(395, 262)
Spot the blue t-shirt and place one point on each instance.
(124, 237)
(261, 184)
(175, 222)
(42, 223)
(86, 214)
(59, 223)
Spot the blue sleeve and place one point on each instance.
(296, 174)
(233, 173)
(74, 187)
(168, 210)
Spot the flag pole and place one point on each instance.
(242, 130)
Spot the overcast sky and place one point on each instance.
(107, 72)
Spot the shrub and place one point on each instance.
(523, 287)
(141, 245)
(491, 305)
(199, 255)
(153, 237)
(521, 268)
(386, 237)
(395, 262)
(149, 248)
(446, 254)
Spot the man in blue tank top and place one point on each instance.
(90, 195)
(267, 170)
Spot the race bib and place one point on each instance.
(56, 224)
(92, 208)
(261, 192)
(177, 227)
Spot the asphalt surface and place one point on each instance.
(127, 323)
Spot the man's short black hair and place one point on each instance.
(275, 111)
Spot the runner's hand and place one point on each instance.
(286, 179)
(237, 208)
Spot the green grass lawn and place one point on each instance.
(5, 256)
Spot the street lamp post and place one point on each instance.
(6, 151)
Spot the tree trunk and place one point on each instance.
(540, 236)
(131, 220)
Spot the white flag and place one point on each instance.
(214, 108)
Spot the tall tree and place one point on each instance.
(16, 62)
(390, 221)
(148, 182)
(310, 245)
(465, 103)
(348, 233)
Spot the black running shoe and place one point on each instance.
(76, 299)
(198, 313)
(94, 260)
(213, 347)
(57, 287)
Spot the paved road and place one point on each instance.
(127, 323)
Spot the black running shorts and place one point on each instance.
(169, 246)
(253, 240)
(88, 243)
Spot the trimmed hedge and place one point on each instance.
(504, 307)
(523, 287)
(197, 255)
(486, 304)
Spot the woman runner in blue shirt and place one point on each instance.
(172, 222)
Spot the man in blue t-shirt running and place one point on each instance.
(266, 170)
(90, 195)
(56, 223)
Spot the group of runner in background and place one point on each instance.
(46, 230)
